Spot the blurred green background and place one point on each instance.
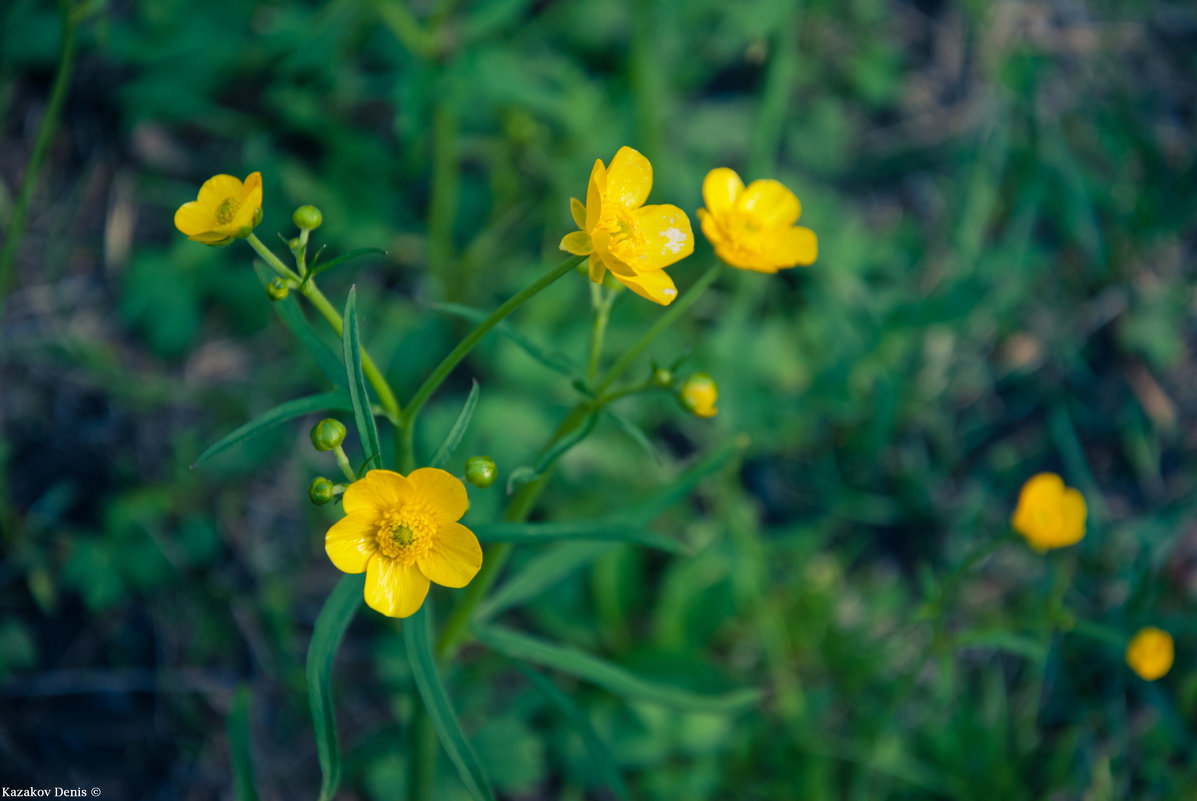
(1004, 198)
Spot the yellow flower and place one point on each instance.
(1049, 515)
(403, 532)
(226, 209)
(619, 233)
(753, 228)
(698, 394)
(1150, 653)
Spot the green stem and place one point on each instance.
(602, 313)
(309, 290)
(62, 80)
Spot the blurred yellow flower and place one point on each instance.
(619, 233)
(226, 209)
(753, 228)
(1049, 515)
(1150, 653)
(403, 532)
(698, 394)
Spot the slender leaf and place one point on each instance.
(612, 677)
(524, 474)
(557, 362)
(672, 493)
(326, 401)
(594, 745)
(597, 530)
(326, 359)
(546, 569)
(244, 786)
(417, 637)
(367, 431)
(637, 434)
(318, 268)
(457, 431)
(334, 619)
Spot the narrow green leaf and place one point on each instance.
(595, 530)
(244, 786)
(524, 474)
(326, 359)
(457, 431)
(318, 268)
(611, 677)
(557, 362)
(594, 745)
(672, 493)
(637, 434)
(367, 431)
(326, 401)
(417, 637)
(334, 619)
(1030, 648)
(546, 569)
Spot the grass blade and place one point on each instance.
(418, 639)
(326, 401)
(611, 677)
(245, 788)
(557, 362)
(545, 570)
(672, 493)
(594, 530)
(334, 619)
(318, 268)
(326, 359)
(457, 431)
(367, 431)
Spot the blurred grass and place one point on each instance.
(1003, 197)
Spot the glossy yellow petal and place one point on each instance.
(665, 237)
(791, 247)
(352, 541)
(393, 588)
(655, 286)
(597, 268)
(445, 495)
(720, 190)
(379, 490)
(770, 204)
(594, 194)
(1151, 653)
(629, 179)
(454, 558)
(252, 188)
(577, 243)
(578, 212)
(193, 218)
(1039, 489)
(1074, 512)
(219, 188)
(710, 227)
(216, 237)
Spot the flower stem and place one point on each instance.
(309, 290)
(602, 313)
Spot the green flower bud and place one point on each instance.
(277, 289)
(481, 471)
(307, 218)
(698, 394)
(320, 491)
(662, 377)
(328, 434)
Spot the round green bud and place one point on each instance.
(481, 471)
(277, 289)
(328, 434)
(662, 377)
(320, 491)
(307, 217)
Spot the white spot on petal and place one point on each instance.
(669, 292)
(675, 239)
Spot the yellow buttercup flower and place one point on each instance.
(619, 233)
(698, 394)
(403, 532)
(225, 209)
(1049, 515)
(753, 228)
(1150, 653)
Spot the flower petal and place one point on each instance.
(352, 541)
(594, 194)
(629, 179)
(578, 212)
(577, 243)
(440, 490)
(720, 189)
(454, 558)
(194, 218)
(597, 268)
(793, 246)
(377, 490)
(770, 203)
(665, 237)
(252, 188)
(1074, 511)
(655, 286)
(393, 588)
(219, 188)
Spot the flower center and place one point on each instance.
(405, 534)
(226, 211)
(625, 239)
(748, 234)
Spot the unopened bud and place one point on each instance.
(698, 394)
(662, 377)
(307, 218)
(481, 471)
(321, 491)
(328, 434)
(277, 289)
